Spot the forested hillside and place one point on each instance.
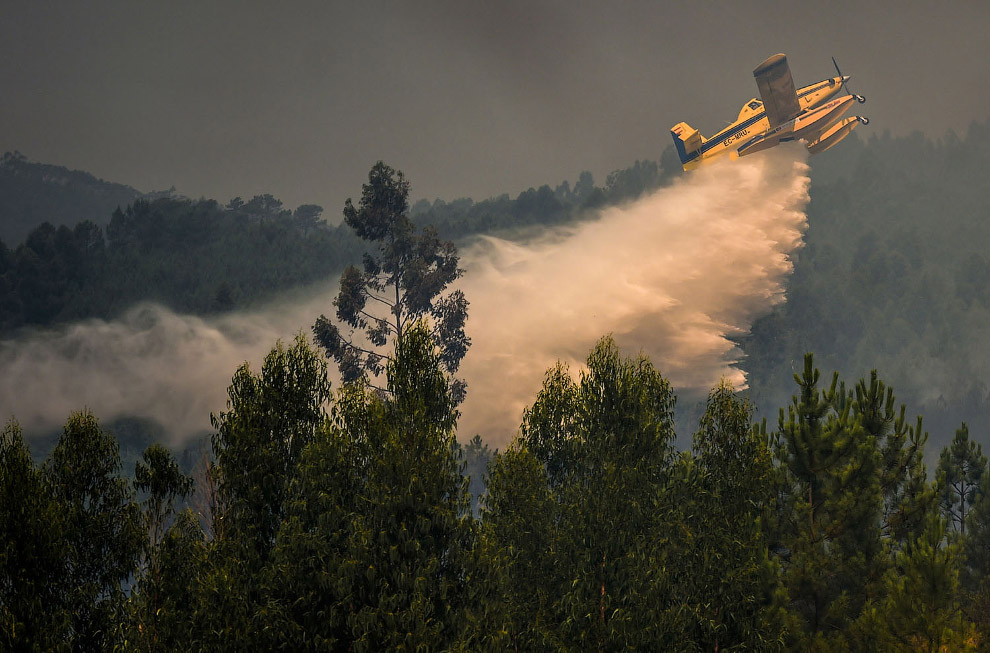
(32, 193)
(895, 276)
(202, 257)
(342, 518)
(194, 256)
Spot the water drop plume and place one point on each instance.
(674, 274)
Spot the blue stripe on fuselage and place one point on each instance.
(717, 139)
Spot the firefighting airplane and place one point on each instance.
(810, 113)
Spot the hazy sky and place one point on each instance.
(467, 98)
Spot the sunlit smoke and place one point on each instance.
(673, 275)
(151, 363)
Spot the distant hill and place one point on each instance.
(895, 276)
(32, 193)
(202, 257)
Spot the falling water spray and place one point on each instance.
(674, 275)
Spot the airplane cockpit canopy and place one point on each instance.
(749, 109)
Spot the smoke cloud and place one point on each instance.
(151, 363)
(674, 275)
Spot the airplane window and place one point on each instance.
(755, 104)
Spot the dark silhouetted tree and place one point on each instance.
(960, 467)
(158, 477)
(403, 280)
(103, 529)
(34, 610)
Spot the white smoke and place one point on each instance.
(152, 363)
(672, 275)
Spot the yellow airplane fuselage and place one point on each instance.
(752, 122)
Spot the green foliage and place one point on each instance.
(831, 505)
(903, 478)
(343, 521)
(961, 466)
(378, 530)
(893, 277)
(174, 597)
(618, 447)
(405, 281)
(517, 558)
(103, 529)
(923, 600)
(975, 575)
(158, 475)
(734, 582)
(596, 536)
(34, 610)
(270, 418)
(153, 599)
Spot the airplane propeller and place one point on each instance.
(859, 98)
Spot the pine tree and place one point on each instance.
(960, 467)
(831, 506)
(903, 477)
(923, 609)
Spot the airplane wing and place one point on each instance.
(780, 101)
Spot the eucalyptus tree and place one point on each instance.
(591, 472)
(406, 277)
(271, 418)
(373, 552)
(734, 602)
(159, 478)
(34, 607)
(103, 529)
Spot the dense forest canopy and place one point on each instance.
(201, 257)
(894, 277)
(350, 518)
(32, 193)
(340, 519)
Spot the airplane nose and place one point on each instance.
(845, 78)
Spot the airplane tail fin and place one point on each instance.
(688, 141)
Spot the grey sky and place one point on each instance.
(469, 99)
